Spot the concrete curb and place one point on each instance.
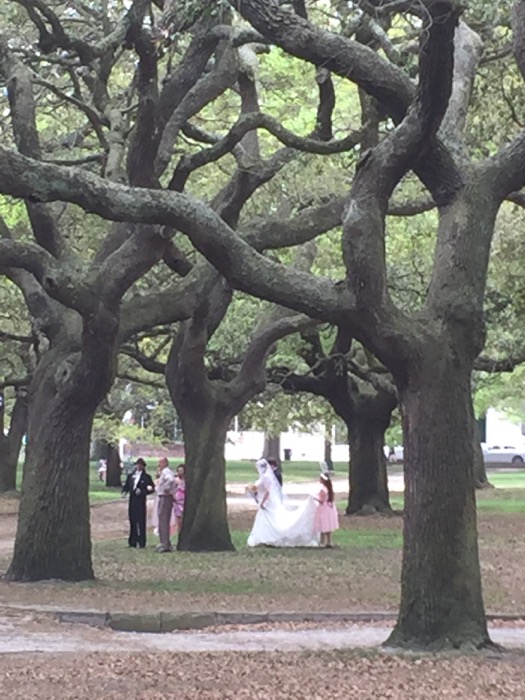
(171, 622)
(93, 619)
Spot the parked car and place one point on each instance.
(503, 455)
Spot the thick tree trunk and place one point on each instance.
(11, 443)
(205, 409)
(113, 474)
(481, 480)
(328, 455)
(272, 447)
(366, 412)
(205, 522)
(368, 477)
(441, 599)
(98, 449)
(53, 536)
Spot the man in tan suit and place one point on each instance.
(165, 492)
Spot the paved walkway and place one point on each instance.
(16, 638)
(24, 631)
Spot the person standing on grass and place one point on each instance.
(326, 519)
(102, 469)
(155, 509)
(180, 495)
(277, 524)
(166, 491)
(138, 484)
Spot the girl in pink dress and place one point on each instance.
(326, 520)
(180, 495)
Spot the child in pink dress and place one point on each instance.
(326, 519)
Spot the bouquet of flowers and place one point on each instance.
(251, 490)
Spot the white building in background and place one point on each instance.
(309, 447)
(502, 432)
(496, 430)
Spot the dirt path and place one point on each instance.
(41, 658)
(28, 632)
(7, 533)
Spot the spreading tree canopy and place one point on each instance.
(430, 351)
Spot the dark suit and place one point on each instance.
(137, 507)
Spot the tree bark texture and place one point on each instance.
(368, 477)
(113, 473)
(481, 479)
(272, 447)
(366, 411)
(206, 407)
(53, 537)
(205, 522)
(203, 409)
(11, 443)
(441, 598)
(327, 454)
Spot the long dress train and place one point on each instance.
(278, 523)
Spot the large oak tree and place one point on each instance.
(430, 353)
(118, 93)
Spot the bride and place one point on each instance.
(278, 523)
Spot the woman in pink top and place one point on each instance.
(326, 520)
(180, 495)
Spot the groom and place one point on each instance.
(138, 485)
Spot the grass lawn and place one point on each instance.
(99, 492)
(507, 498)
(361, 573)
(251, 579)
(245, 471)
(236, 472)
(508, 482)
(507, 478)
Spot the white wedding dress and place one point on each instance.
(280, 523)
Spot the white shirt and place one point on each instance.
(166, 484)
(136, 479)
